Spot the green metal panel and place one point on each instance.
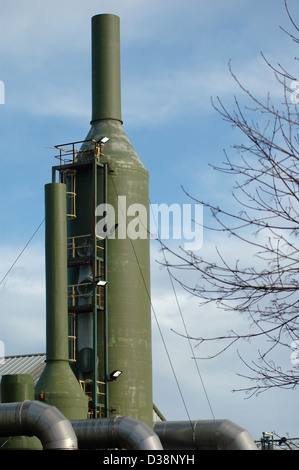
(57, 385)
(129, 313)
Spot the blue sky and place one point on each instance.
(174, 56)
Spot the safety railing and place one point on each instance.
(68, 153)
(82, 246)
(87, 387)
(83, 294)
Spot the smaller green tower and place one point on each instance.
(58, 385)
(18, 388)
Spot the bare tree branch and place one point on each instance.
(266, 168)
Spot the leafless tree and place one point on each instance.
(266, 168)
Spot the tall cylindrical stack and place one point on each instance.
(128, 328)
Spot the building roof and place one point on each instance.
(32, 364)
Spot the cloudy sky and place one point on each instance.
(175, 56)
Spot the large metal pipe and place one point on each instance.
(203, 435)
(35, 418)
(120, 432)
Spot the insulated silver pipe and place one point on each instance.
(121, 432)
(203, 435)
(44, 421)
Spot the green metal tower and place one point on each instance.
(108, 247)
(57, 384)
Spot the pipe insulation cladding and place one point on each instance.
(217, 434)
(121, 432)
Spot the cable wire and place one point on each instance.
(19, 256)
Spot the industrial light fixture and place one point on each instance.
(115, 374)
(101, 282)
(103, 140)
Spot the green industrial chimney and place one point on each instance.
(108, 248)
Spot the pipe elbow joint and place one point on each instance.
(34, 418)
(52, 428)
(137, 434)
